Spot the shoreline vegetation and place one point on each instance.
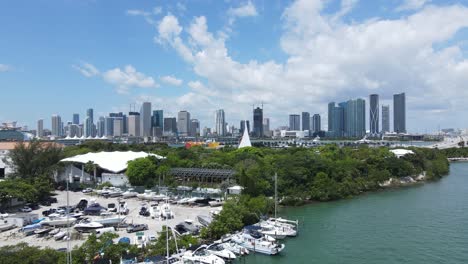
(305, 175)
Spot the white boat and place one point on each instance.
(143, 195)
(62, 220)
(216, 203)
(166, 212)
(123, 208)
(60, 235)
(205, 220)
(86, 226)
(108, 219)
(129, 193)
(6, 226)
(158, 197)
(140, 240)
(273, 231)
(200, 255)
(261, 244)
(183, 201)
(184, 188)
(155, 212)
(220, 251)
(115, 192)
(286, 228)
(235, 248)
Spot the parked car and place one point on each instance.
(48, 212)
(87, 190)
(136, 227)
(33, 206)
(25, 209)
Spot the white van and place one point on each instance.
(101, 231)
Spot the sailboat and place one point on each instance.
(245, 141)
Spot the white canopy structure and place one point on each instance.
(401, 152)
(115, 161)
(245, 141)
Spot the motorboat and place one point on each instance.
(123, 208)
(130, 193)
(216, 203)
(61, 220)
(166, 212)
(114, 192)
(183, 201)
(235, 248)
(143, 195)
(144, 211)
(6, 226)
(187, 227)
(42, 231)
(202, 256)
(271, 230)
(220, 251)
(257, 242)
(184, 188)
(94, 209)
(281, 227)
(87, 226)
(159, 197)
(108, 219)
(82, 204)
(155, 212)
(140, 240)
(204, 220)
(60, 235)
(54, 232)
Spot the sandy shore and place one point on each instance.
(13, 236)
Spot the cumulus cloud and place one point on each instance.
(87, 69)
(5, 68)
(409, 5)
(329, 59)
(171, 80)
(244, 10)
(128, 77)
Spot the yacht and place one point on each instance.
(216, 203)
(257, 242)
(205, 220)
(87, 226)
(58, 220)
(130, 193)
(108, 219)
(155, 212)
(271, 230)
(123, 208)
(143, 195)
(115, 192)
(235, 248)
(286, 228)
(60, 235)
(166, 212)
(140, 240)
(183, 201)
(187, 227)
(201, 256)
(220, 251)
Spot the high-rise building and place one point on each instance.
(399, 113)
(134, 124)
(385, 118)
(170, 126)
(73, 130)
(76, 119)
(194, 128)
(124, 121)
(57, 126)
(117, 126)
(101, 126)
(336, 119)
(316, 123)
(220, 123)
(258, 122)
(294, 122)
(40, 128)
(374, 114)
(266, 127)
(108, 126)
(355, 118)
(183, 123)
(89, 123)
(145, 119)
(305, 121)
(243, 124)
(157, 123)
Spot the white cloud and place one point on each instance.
(87, 69)
(329, 59)
(171, 80)
(128, 77)
(245, 10)
(157, 10)
(409, 5)
(142, 13)
(5, 68)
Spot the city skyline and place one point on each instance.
(108, 69)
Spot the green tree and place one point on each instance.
(141, 171)
(324, 188)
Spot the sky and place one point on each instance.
(62, 57)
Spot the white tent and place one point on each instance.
(245, 141)
(111, 161)
(401, 152)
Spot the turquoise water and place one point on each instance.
(420, 225)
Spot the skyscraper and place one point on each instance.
(374, 114)
(57, 126)
(266, 127)
(76, 119)
(117, 126)
(109, 126)
(89, 123)
(258, 122)
(40, 128)
(170, 126)
(157, 123)
(399, 113)
(355, 118)
(124, 121)
(331, 109)
(183, 123)
(385, 118)
(194, 128)
(243, 125)
(101, 126)
(316, 123)
(294, 122)
(145, 119)
(336, 119)
(305, 121)
(134, 124)
(220, 123)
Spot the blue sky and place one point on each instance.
(65, 56)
